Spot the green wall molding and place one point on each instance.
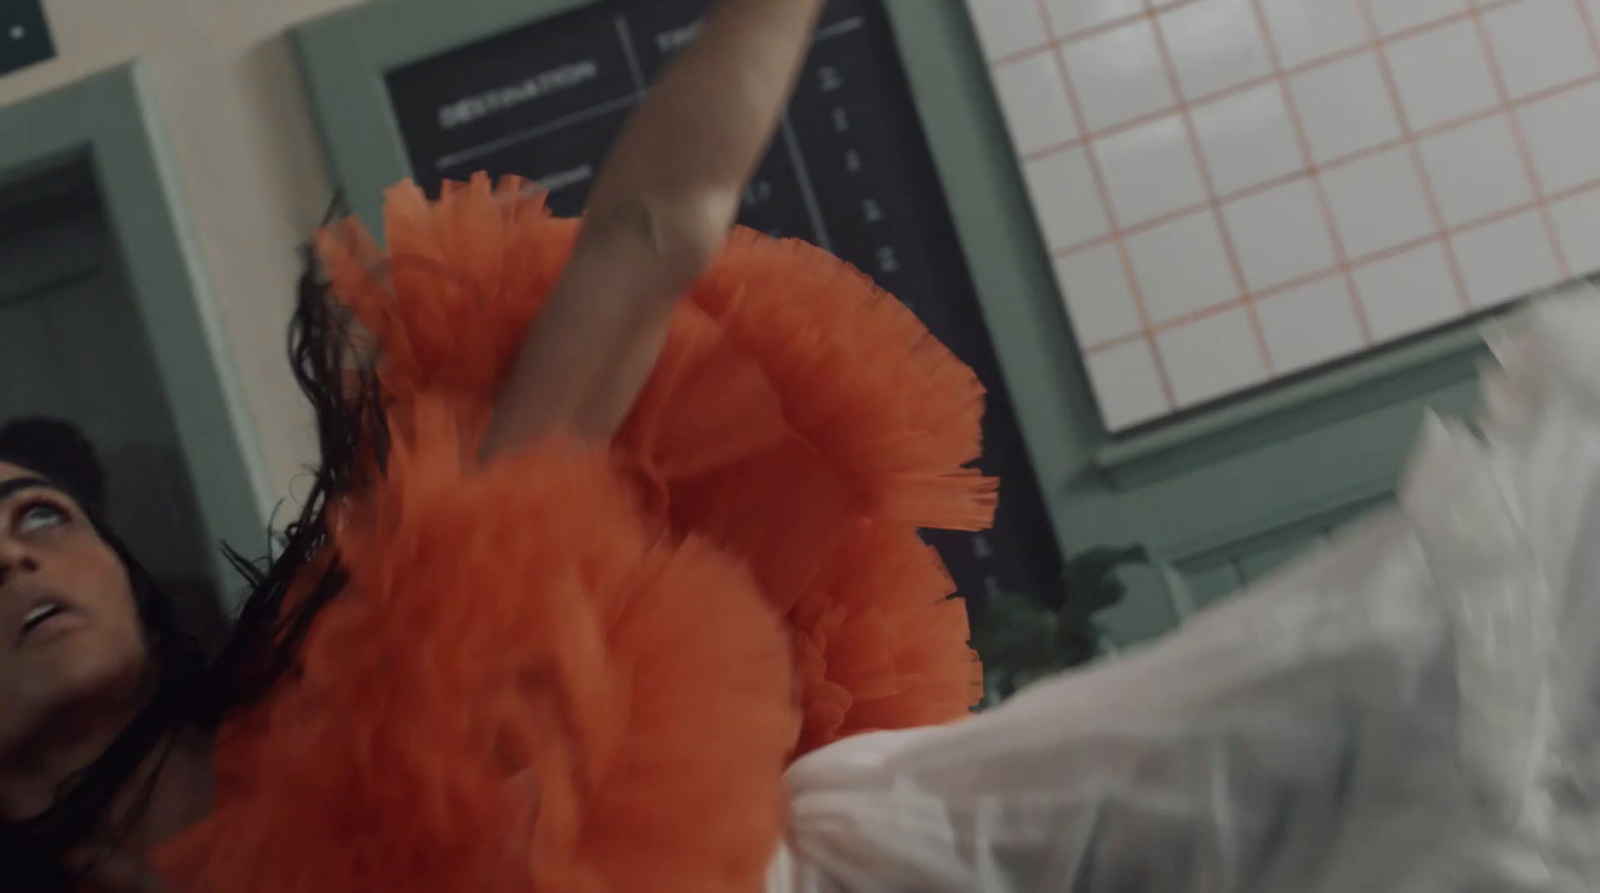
(109, 119)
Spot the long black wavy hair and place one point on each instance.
(195, 690)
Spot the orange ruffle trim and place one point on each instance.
(580, 670)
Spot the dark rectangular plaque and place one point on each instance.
(24, 35)
(849, 170)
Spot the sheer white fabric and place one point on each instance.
(1411, 709)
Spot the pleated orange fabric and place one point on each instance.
(586, 670)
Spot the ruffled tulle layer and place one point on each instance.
(587, 671)
(799, 417)
(513, 697)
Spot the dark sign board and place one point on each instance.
(849, 170)
(24, 35)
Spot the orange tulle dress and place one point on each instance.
(578, 669)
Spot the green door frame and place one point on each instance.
(109, 119)
(1313, 448)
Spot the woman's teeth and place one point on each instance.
(39, 615)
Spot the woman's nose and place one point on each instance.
(15, 558)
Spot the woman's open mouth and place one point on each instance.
(41, 616)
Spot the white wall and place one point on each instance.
(232, 106)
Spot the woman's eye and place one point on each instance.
(38, 516)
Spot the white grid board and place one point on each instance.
(1234, 191)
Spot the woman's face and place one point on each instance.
(71, 641)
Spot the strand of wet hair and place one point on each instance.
(352, 436)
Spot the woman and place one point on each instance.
(512, 640)
(78, 687)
